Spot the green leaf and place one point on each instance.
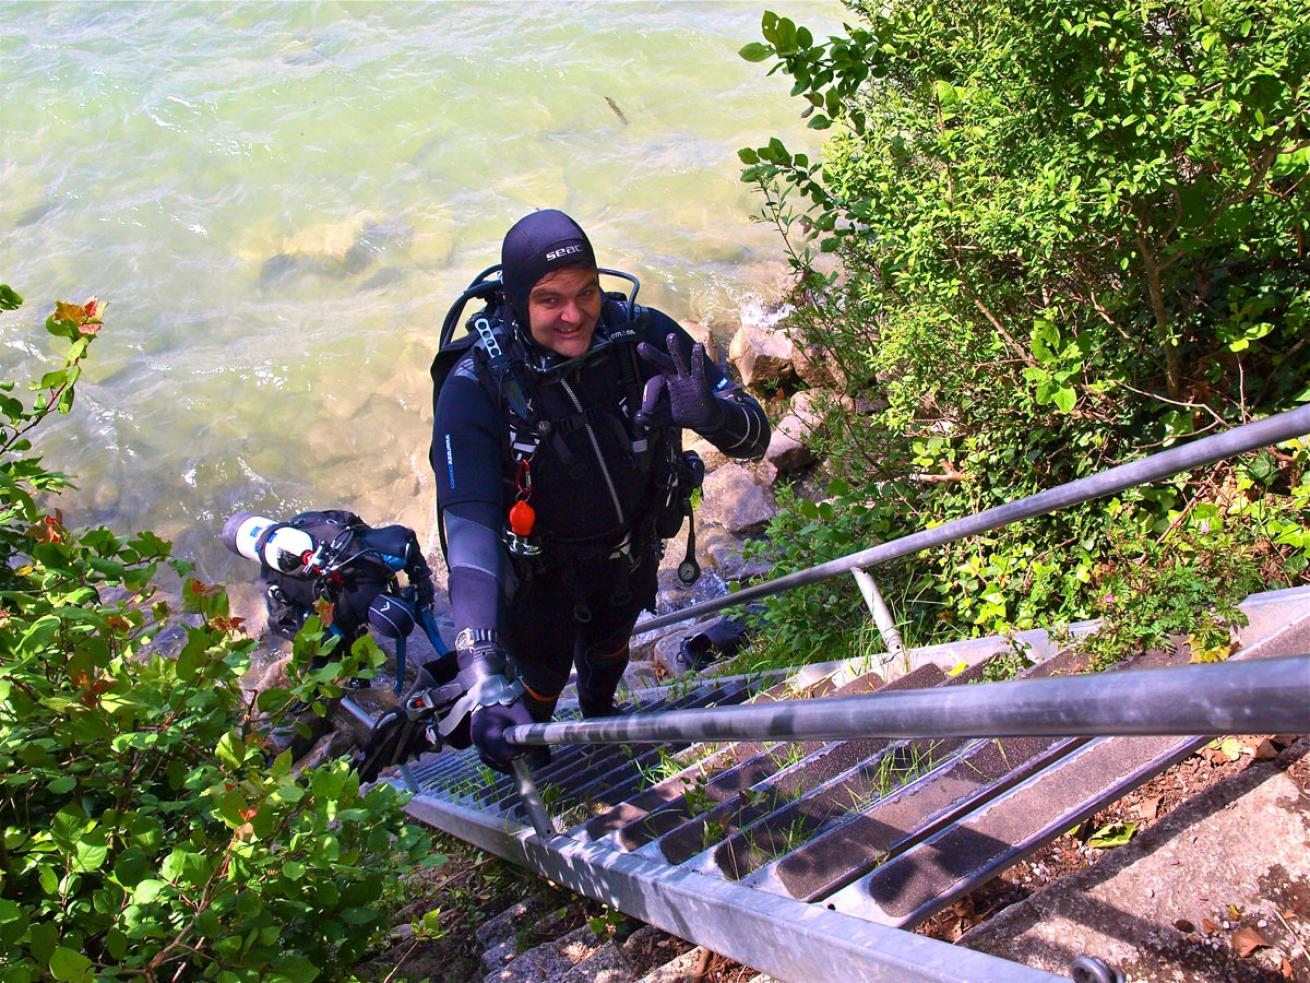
(1064, 398)
(66, 964)
(67, 825)
(90, 853)
(295, 969)
(756, 51)
(231, 750)
(146, 891)
(748, 156)
(60, 328)
(272, 699)
(42, 939)
(13, 922)
(1263, 468)
(9, 299)
(1115, 834)
(1045, 341)
(184, 866)
(281, 765)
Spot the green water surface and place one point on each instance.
(278, 202)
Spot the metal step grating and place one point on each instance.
(814, 841)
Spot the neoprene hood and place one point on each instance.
(538, 244)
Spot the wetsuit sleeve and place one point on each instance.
(477, 565)
(466, 459)
(467, 442)
(744, 432)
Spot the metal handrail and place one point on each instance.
(1086, 706)
(1207, 450)
(1259, 696)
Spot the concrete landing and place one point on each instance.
(1165, 907)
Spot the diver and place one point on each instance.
(334, 560)
(560, 472)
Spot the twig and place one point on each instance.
(1241, 390)
(1295, 937)
(1105, 316)
(400, 962)
(1174, 402)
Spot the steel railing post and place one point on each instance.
(882, 616)
(536, 809)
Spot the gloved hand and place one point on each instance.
(394, 738)
(690, 402)
(488, 729)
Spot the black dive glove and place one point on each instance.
(690, 403)
(488, 729)
(495, 703)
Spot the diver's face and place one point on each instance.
(563, 308)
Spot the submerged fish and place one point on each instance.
(35, 214)
(617, 111)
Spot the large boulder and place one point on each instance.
(700, 333)
(761, 356)
(723, 554)
(789, 447)
(738, 497)
(816, 368)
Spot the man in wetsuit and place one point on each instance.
(609, 386)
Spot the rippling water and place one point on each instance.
(279, 201)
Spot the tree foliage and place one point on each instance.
(145, 831)
(1066, 233)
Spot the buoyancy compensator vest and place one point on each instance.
(518, 376)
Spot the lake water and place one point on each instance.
(278, 203)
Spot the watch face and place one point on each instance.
(469, 637)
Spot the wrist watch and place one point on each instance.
(468, 638)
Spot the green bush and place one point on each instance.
(1062, 235)
(146, 832)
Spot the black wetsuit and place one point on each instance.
(577, 602)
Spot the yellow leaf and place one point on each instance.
(1214, 653)
(958, 668)
(70, 312)
(1230, 747)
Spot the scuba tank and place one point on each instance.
(334, 556)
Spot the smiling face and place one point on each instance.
(563, 308)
